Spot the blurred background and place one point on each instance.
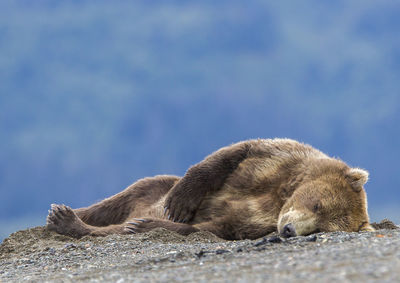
(97, 94)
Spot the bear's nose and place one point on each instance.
(289, 231)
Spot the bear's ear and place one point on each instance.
(357, 178)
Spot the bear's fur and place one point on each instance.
(245, 190)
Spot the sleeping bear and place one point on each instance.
(243, 191)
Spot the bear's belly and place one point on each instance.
(154, 210)
(238, 210)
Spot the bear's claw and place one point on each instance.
(139, 225)
(130, 229)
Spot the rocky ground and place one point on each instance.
(39, 255)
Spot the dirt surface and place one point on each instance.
(39, 255)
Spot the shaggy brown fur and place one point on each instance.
(245, 190)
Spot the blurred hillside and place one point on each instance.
(94, 95)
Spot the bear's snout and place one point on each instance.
(289, 231)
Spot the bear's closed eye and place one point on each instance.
(317, 207)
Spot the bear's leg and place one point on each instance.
(63, 220)
(116, 209)
(136, 225)
(204, 178)
(231, 228)
(221, 227)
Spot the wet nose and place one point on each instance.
(289, 231)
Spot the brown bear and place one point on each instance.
(242, 191)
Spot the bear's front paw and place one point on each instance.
(137, 225)
(180, 207)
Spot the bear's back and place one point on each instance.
(282, 150)
(252, 190)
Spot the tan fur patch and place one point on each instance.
(304, 223)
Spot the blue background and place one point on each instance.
(97, 94)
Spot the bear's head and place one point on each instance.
(330, 198)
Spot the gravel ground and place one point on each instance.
(39, 255)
